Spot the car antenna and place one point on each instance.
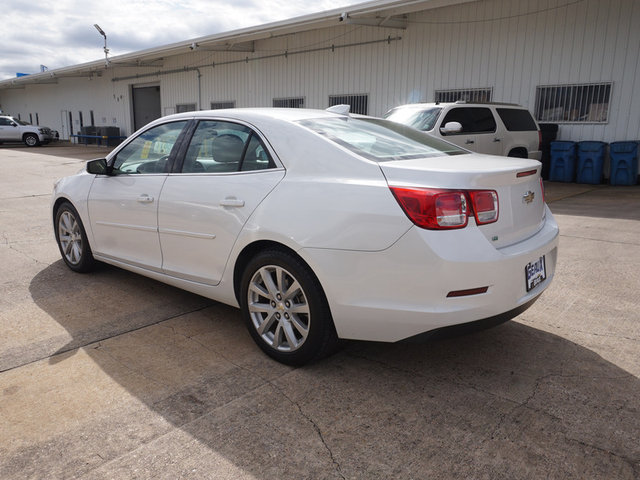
(340, 109)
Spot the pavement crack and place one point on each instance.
(266, 381)
(615, 242)
(634, 465)
(315, 426)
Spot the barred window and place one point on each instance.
(359, 102)
(292, 102)
(578, 103)
(223, 104)
(185, 107)
(472, 95)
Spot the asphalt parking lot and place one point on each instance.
(112, 375)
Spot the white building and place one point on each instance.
(571, 62)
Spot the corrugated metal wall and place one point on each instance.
(509, 46)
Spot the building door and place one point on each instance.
(146, 105)
(64, 122)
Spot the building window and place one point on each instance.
(37, 119)
(185, 107)
(93, 123)
(471, 95)
(81, 120)
(293, 102)
(578, 103)
(359, 103)
(31, 119)
(223, 104)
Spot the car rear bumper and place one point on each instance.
(402, 291)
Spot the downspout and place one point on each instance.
(199, 89)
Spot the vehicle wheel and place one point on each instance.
(285, 309)
(31, 140)
(72, 239)
(518, 153)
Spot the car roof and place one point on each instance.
(249, 114)
(459, 103)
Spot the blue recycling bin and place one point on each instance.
(624, 163)
(590, 162)
(563, 161)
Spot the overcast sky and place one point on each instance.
(61, 33)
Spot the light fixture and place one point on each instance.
(106, 50)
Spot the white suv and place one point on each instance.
(14, 130)
(493, 128)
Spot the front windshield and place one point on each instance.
(20, 122)
(422, 119)
(380, 140)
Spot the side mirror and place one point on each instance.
(451, 127)
(99, 167)
(14, 124)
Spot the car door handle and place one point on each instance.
(496, 139)
(232, 202)
(144, 198)
(468, 142)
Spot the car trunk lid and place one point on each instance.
(516, 181)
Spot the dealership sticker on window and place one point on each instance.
(535, 273)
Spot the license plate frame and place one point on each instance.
(535, 273)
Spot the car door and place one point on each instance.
(466, 138)
(7, 129)
(226, 172)
(123, 206)
(488, 139)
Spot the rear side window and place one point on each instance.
(472, 119)
(219, 147)
(517, 120)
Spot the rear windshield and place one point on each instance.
(517, 120)
(422, 119)
(380, 140)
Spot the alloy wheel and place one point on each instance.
(278, 308)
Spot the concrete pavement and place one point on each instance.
(112, 375)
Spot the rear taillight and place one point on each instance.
(539, 139)
(485, 206)
(436, 209)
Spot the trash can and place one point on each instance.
(563, 161)
(590, 162)
(548, 134)
(624, 163)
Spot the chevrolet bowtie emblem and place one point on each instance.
(528, 197)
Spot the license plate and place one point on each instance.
(535, 273)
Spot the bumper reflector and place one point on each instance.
(466, 293)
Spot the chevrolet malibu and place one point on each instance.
(319, 225)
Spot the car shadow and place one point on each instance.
(598, 201)
(509, 402)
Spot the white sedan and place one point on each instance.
(319, 225)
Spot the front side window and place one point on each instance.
(5, 121)
(149, 152)
(380, 140)
(472, 119)
(219, 147)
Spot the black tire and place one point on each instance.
(284, 312)
(31, 140)
(518, 153)
(72, 239)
